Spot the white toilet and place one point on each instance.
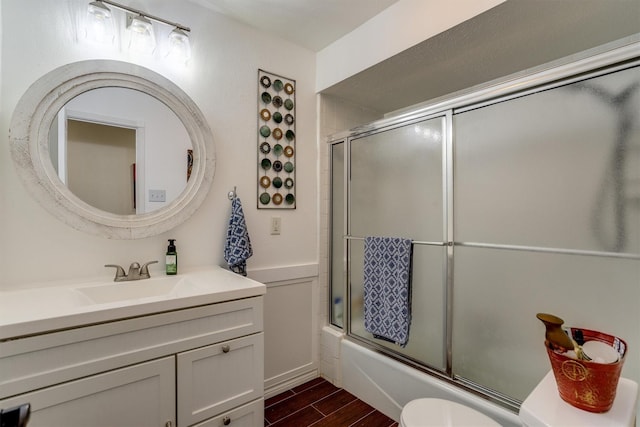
(542, 408)
(439, 412)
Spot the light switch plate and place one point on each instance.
(276, 225)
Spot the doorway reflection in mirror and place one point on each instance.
(101, 133)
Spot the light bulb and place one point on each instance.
(143, 38)
(179, 46)
(99, 24)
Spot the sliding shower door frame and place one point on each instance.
(596, 62)
(447, 226)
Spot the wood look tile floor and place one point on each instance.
(319, 403)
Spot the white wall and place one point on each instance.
(221, 79)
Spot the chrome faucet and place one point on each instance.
(136, 272)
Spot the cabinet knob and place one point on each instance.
(226, 349)
(226, 421)
(168, 424)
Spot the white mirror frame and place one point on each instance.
(29, 131)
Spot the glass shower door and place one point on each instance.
(541, 190)
(547, 219)
(396, 190)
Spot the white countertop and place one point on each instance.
(50, 308)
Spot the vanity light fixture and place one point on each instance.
(141, 29)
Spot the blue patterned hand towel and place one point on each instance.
(238, 245)
(387, 288)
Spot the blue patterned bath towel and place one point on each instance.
(387, 288)
(237, 247)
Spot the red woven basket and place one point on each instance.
(588, 385)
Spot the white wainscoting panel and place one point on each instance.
(291, 332)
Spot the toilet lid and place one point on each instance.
(440, 412)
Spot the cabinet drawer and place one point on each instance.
(219, 377)
(249, 415)
(44, 360)
(138, 396)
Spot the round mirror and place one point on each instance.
(112, 148)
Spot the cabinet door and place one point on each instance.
(219, 377)
(138, 396)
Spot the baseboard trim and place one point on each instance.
(291, 379)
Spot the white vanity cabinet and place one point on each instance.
(195, 366)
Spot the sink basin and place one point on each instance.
(167, 287)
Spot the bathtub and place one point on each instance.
(388, 385)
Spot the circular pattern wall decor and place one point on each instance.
(288, 119)
(288, 151)
(288, 183)
(288, 88)
(276, 141)
(265, 82)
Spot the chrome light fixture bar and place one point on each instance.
(140, 25)
(144, 14)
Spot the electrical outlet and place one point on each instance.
(276, 225)
(157, 195)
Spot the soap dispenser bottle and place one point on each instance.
(171, 260)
